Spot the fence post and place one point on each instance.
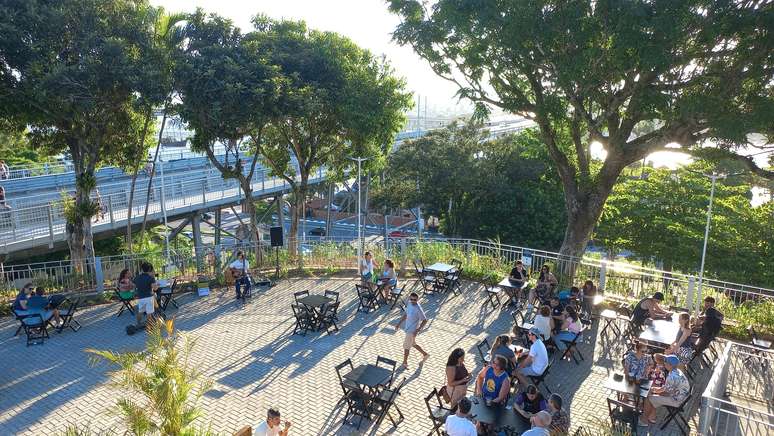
(50, 227)
(467, 251)
(689, 294)
(99, 275)
(602, 275)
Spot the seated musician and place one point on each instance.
(239, 270)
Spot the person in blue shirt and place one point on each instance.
(493, 383)
(20, 303)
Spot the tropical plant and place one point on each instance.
(164, 385)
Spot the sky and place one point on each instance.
(367, 22)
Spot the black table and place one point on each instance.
(370, 376)
(517, 350)
(621, 386)
(441, 267)
(497, 416)
(513, 289)
(315, 303)
(661, 332)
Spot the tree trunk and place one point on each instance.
(129, 213)
(79, 236)
(248, 207)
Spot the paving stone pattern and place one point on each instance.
(255, 362)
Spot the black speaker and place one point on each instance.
(276, 236)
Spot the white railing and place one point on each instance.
(45, 224)
(738, 398)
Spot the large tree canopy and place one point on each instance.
(77, 73)
(634, 76)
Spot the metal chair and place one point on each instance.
(388, 364)
(68, 308)
(367, 298)
(299, 294)
(436, 411)
(328, 317)
(167, 296)
(386, 399)
(304, 319)
(36, 329)
(492, 294)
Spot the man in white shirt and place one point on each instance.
(239, 269)
(415, 319)
(537, 361)
(271, 427)
(459, 424)
(540, 422)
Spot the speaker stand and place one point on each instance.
(277, 270)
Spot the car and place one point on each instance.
(398, 234)
(317, 231)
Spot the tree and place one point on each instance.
(480, 188)
(698, 73)
(165, 386)
(339, 102)
(662, 218)
(74, 72)
(229, 94)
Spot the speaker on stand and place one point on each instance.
(276, 242)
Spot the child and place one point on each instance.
(657, 373)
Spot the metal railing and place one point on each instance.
(45, 224)
(738, 398)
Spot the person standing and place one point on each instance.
(4, 171)
(271, 426)
(367, 265)
(145, 285)
(239, 269)
(415, 319)
(457, 376)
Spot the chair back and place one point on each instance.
(173, 287)
(388, 364)
(299, 311)
(394, 393)
(416, 268)
(299, 294)
(331, 309)
(429, 399)
(332, 294)
(457, 263)
(343, 365)
(483, 347)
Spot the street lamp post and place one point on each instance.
(359, 161)
(714, 177)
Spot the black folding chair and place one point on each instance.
(299, 294)
(367, 298)
(572, 347)
(386, 400)
(36, 328)
(492, 294)
(360, 404)
(537, 380)
(676, 414)
(346, 385)
(328, 317)
(304, 319)
(394, 297)
(388, 364)
(623, 416)
(483, 348)
(167, 295)
(126, 298)
(332, 295)
(454, 281)
(436, 411)
(425, 278)
(66, 313)
(19, 317)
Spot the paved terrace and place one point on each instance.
(255, 362)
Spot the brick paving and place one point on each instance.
(255, 362)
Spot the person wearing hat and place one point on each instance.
(536, 362)
(650, 307)
(673, 393)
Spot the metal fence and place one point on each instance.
(738, 398)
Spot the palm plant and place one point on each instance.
(164, 386)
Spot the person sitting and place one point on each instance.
(125, 283)
(20, 302)
(557, 313)
(570, 327)
(389, 278)
(541, 422)
(650, 307)
(588, 292)
(536, 362)
(544, 322)
(493, 383)
(518, 277)
(501, 347)
(460, 424)
(271, 426)
(240, 271)
(366, 267)
(39, 303)
(545, 287)
(684, 345)
(673, 393)
(637, 362)
(560, 420)
(457, 376)
(530, 402)
(145, 285)
(709, 323)
(657, 372)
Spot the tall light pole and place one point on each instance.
(164, 208)
(359, 161)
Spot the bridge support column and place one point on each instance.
(196, 222)
(217, 238)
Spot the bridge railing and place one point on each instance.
(47, 222)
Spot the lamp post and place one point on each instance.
(359, 161)
(164, 208)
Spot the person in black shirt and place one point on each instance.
(557, 313)
(145, 285)
(710, 321)
(518, 274)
